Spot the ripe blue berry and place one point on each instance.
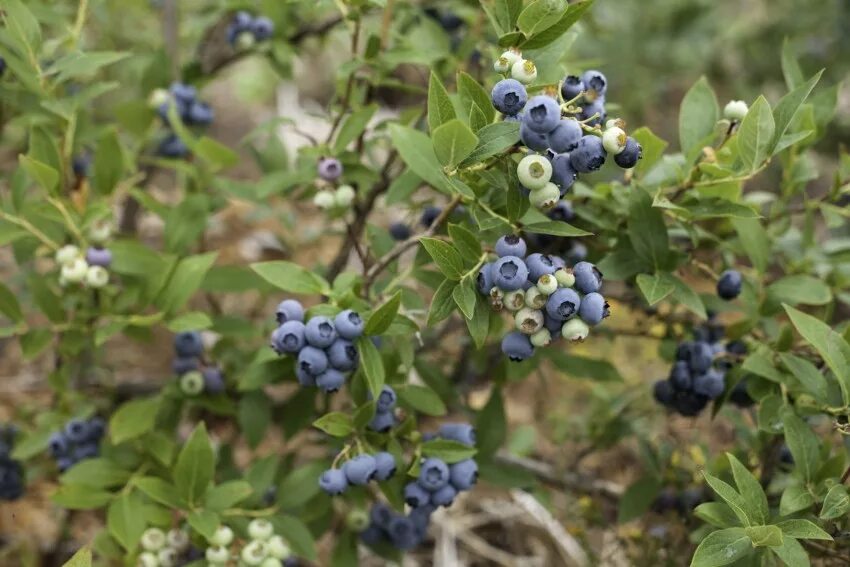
(563, 211)
(484, 281)
(320, 332)
(729, 285)
(349, 324)
(517, 346)
(262, 28)
(593, 113)
(87, 450)
(680, 376)
(98, 257)
(564, 174)
(460, 432)
(333, 481)
(663, 392)
(289, 310)
(382, 422)
(509, 96)
(433, 475)
(183, 92)
(342, 355)
(402, 533)
(429, 215)
(188, 344)
(304, 378)
(565, 136)
(593, 308)
(372, 535)
(399, 231)
(172, 147)
(537, 141)
(380, 515)
(200, 114)
(464, 474)
(360, 470)
(563, 304)
(444, 496)
(683, 351)
(329, 169)
(58, 445)
(97, 427)
(510, 273)
(542, 114)
(385, 466)
(331, 380)
(415, 495)
(572, 87)
(76, 430)
(588, 277)
(589, 155)
(630, 155)
(596, 82)
(701, 357)
(289, 337)
(511, 245)
(710, 384)
(213, 380)
(386, 399)
(539, 265)
(312, 360)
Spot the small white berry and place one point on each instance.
(324, 199)
(100, 232)
(565, 277)
(260, 529)
(541, 338)
(158, 97)
(153, 539)
(97, 277)
(505, 61)
(167, 557)
(67, 254)
(535, 298)
(514, 300)
(277, 548)
(217, 555)
(254, 553)
(546, 197)
(614, 140)
(344, 196)
(547, 284)
(528, 321)
(524, 71)
(147, 559)
(575, 330)
(177, 539)
(736, 110)
(75, 272)
(534, 171)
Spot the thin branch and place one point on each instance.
(571, 480)
(349, 85)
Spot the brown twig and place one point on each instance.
(571, 480)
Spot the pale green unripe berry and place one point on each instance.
(158, 97)
(356, 520)
(223, 535)
(736, 110)
(535, 298)
(324, 199)
(97, 277)
(177, 539)
(534, 171)
(528, 321)
(565, 277)
(167, 557)
(67, 254)
(153, 539)
(271, 562)
(524, 71)
(192, 384)
(575, 330)
(505, 61)
(75, 272)
(541, 338)
(254, 553)
(100, 232)
(217, 555)
(147, 559)
(260, 529)
(614, 140)
(514, 300)
(278, 548)
(245, 41)
(344, 196)
(545, 198)
(496, 293)
(547, 284)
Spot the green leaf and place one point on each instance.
(830, 345)
(722, 548)
(291, 277)
(96, 473)
(790, 67)
(647, 231)
(556, 228)
(470, 91)
(227, 494)
(788, 106)
(756, 134)
(9, 305)
(108, 162)
(297, 535)
(353, 125)
(372, 365)
(22, 23)
(192, 321)
(751, 492)
(34, 342)
(686, 295)
(185, 280)
(577, 366)
(205, 522)
(125, 520)
(300, 485)
(40, 172)
(465, 242)
(79, 497)
(477, 120)
(803, 529)
(655, 287)
(160, 491)
(491, 425)
(335, 423)
(133, 419)
(795, 498)
(717, 514)
(803, 443)
(730, 496)
(637, 498)
(653, 149)
(381, 319)
(448, 259)
(493, 139)
(836, 503)
(417, 151)
(442, 304)
(453, 141)
(540, 15)
(447, 450)
(573, 14)
(765, 536)
(82, 558)
(254, 412)
(697, 116)
(479, 325)
(800, 288)
(422, 399)
(440, 108)
(792, 553)
(79, 64)
(754, 241)
(465, 295)
(195, 465)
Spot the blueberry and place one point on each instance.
(415, 495)
(464, 474)
(729, 284)
(360, 470)
(572, 87)
(349, 324)
(188, 344)
(593, 113)
(564, 174)
(421, 516)
(663, 392)
(509, 96)
(542, 114)
(312, 360)
(683, 351)
(320, 332)
(262, 28)
(563, 304)
(444, 496)
(740, 396)
(711, 384)
(183, 92)
(64, 463)
(588, 277)
(172, 147)
(689, 404)
(372, 535)
(552, 325)
(690, 498)
(80, 165)
(517, 346)
(289, 337)
(382, 422)
(785, 456)
(429, 215)
(76, 430)
(700, 358)
(342, 355)
(98, 257)
(589, 155)
(485, 281)
(596, 82)
(511, 245)
(333, 481)
(330, 380)
(199, 113)
(97, 427)
(563, 211)
(630, 156)
(11, 479)
(433, 474)
(538, 265)
(460, 432)
(304, 377)
(593, 308)
(289, 310)
(380, 515)
(399, 231)
(565, 136)
(512, 117)
(385, 466)
(402, 533)
(680, 376)
(213, 380)
(86, 450)
(537, 141)
(510, 273)
(329, 169)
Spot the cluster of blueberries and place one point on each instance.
(89, 268)
(324, 348)
(699, 373)
(161, 549)
(11, 471)
(265, 548)
(547, 298)
(246, 29)
(437, 485)
(195, 376)
(565, 149)
(77, 441)
(192, 112)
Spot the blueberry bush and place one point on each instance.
(476, 213)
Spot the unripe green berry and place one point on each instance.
(97, 277)
(547, 284)
(278, 548)
(271, 562)
(324, 199)
(153, 539)
(217, 555)
(546, 197)
(100, 232)
(534, 172)
(565, 277)
(735, 110)
(541, 338)
(524, 71)
(528, 321)
(147, 559)
(514, 300)
(344, 196)
(357, 520)
(245, 41)
(68, 254)
(575, 330)
(158, 97)
(496, 293)
(260, 529)
(167, 557)
(192, 384)
(223, 535)
(177, 539)
(76, 271)
(254, 553)
(535, 298)
(614, 140)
